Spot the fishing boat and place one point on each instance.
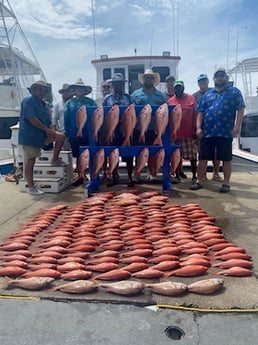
(18, 69)
(246, 145)
(131, 66)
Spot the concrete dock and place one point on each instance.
(228, 317)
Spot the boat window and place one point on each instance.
(133, 72)
(5, 123)
(163, 72)
(249, 127)
(106, 73)
(120, 70)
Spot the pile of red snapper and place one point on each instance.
(120, 236)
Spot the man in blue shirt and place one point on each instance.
(36, 130)
(148, 94)
(70, 111)
(220, 113)
(119, 97)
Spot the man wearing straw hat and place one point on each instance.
(148, 94)
(71, 108)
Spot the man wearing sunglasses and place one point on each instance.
(220, 113)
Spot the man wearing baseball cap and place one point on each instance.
(185, 135)
(220, 113)
(203, 83)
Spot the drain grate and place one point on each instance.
(174, 332)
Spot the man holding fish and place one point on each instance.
(75, 119)
(119, 132)
(148, 94)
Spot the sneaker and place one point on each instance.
(175, 180)
(111, 182)
(58, 162)
(195, 186)
(78, 182)
(34, 190)
(130, 183)
(182, 174)
(136, 179)
(225, 188)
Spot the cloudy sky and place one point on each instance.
(204, 33)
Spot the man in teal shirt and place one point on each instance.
(71, 108)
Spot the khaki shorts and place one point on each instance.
(31, 152)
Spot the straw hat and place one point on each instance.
(40, 83)
(64, 88)
(80, 84)
(156, 76)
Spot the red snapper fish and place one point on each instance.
(174, 161)
(84, 160)
(128, 123)
(111, 122)
(98, 162)
(158, 161)
(142, 159)
(33, 283)
(127, 287)
(175, 118)
(81, 119)
(144, 121)
(97, 121)
(160, 123)
(113, 161)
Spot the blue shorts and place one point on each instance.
(215, 148)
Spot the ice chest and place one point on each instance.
(48, 185)
(46, 157)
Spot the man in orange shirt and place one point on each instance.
(185, 135)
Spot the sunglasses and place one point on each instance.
(106, 87)
(150, 77)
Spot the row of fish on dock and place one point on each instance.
(115, 237)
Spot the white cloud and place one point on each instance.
(203, 33)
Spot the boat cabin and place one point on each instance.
(131, 66)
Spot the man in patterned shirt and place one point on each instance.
(220, 113)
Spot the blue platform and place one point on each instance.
(129, 151)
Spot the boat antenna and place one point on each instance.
(93, 27)
(151, 41)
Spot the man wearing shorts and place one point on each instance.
(35, 131)
(220, 113)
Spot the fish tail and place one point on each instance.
(126, 142)
(157, 141)
(8, 283)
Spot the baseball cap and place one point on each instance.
(220, 69)
(179, 83)
(170, 77)
(202, 77)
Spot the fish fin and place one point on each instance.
(157, 141)
(126, 142)
(7, 283)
